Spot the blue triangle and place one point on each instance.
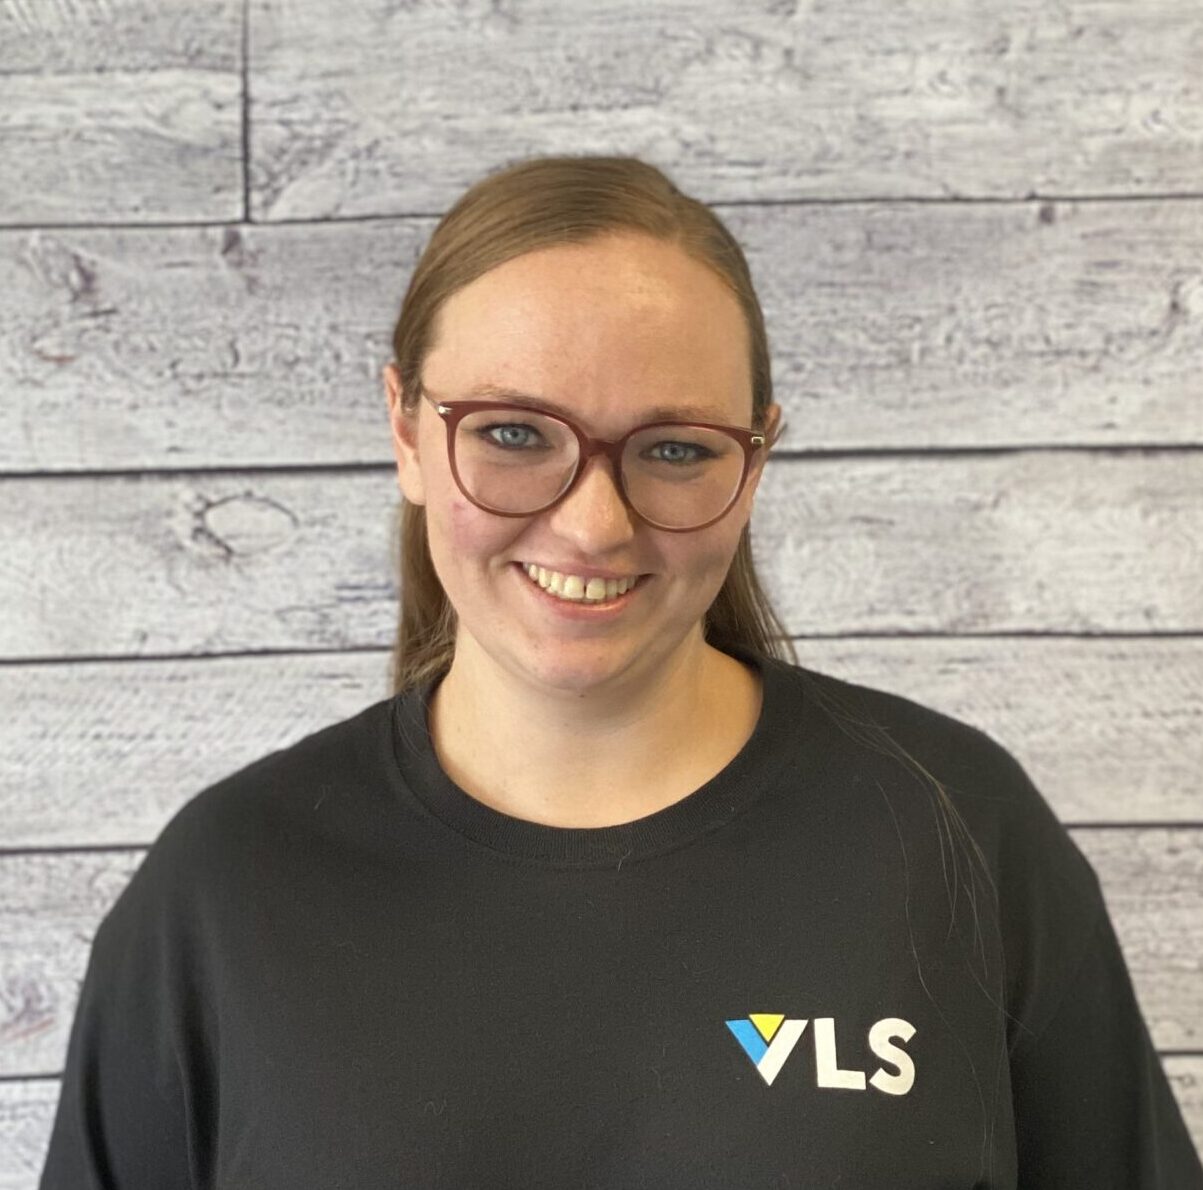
(749, 1037)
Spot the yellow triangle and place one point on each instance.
(767, 1023)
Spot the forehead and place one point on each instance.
(627, 324)
(673, 411)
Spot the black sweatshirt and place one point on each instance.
(336, 969)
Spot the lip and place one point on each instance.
(580, 571)
(575, 610)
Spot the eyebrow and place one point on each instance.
(498, 392)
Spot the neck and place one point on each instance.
(598, 757)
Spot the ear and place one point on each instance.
(772, 421)
(773, 426)
(404, 424)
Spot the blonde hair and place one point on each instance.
(545, 201)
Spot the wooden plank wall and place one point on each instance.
(977, 231)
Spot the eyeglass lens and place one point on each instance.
(677, 476)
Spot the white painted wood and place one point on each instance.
(1186, 1080)
(102, 753)
(896, 325)
(892, 325)
(395, 109)
(102, 36)
(49, 910)
(123, 110)
(131, 110)
(978, 325)
(1109, 730)
(202, 564)
(1041, 541)
(190, 347)
(213, 563)
(95, 754)
(26, 1116)
(1153, 885)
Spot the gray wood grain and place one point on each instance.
(190, 347)
(1153, 885)
(1046, 541)
(1109, 730)
(393, 108)
(26, 1116)
(46, 931)
(125, 110)
(892, 325)
(232, 374)
(95, 754)
(1043, 541)
(102, 753)
(205, 564)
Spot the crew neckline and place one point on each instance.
(727, 794)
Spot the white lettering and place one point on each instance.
(879, 1042)
(779, 1049)
(827, 1064)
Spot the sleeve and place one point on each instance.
(1092, 1104)
(122, 1116)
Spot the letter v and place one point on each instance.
(779, 1049)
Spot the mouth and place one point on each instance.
(610, 596)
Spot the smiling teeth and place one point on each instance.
(574, 588)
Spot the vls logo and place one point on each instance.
(768, 1039)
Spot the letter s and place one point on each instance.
(879, 1042)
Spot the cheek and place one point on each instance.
(467, 533)
(707, 559)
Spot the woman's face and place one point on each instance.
(605, 331)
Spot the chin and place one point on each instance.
(576, 675)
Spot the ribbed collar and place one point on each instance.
(779, 731)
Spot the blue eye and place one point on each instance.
(700, 453)
(486, 433)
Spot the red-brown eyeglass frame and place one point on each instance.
(452, 411)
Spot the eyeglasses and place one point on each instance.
(515, 461)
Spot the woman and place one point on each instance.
(611, 893)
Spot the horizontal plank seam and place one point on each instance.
(1081, 826)
(778, 456)
(868, 200)
(383, 650)
(17, 1079)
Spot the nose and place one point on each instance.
(594, 515)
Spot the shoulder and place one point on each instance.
(1042, 891)
(986, 784)
(954, 749)
(278, 784)
(231, 832)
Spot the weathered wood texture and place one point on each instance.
(1052, 542)
(389, 108)
(231, 374)
(892, 325)
(123, 110)
(131, 110)
(102, 753)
